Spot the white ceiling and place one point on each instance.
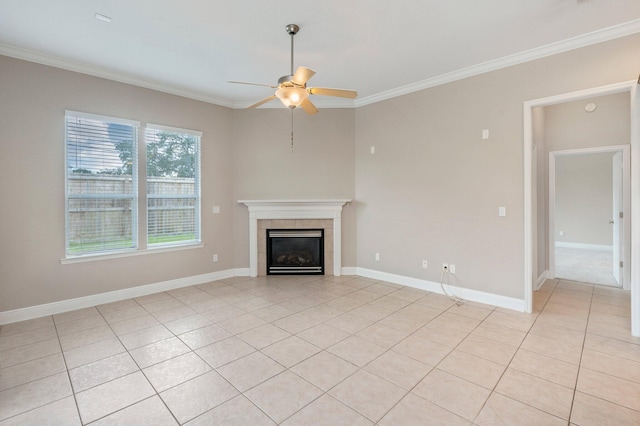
(379, 48)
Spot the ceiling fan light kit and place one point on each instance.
(292, 89)
(292, 97)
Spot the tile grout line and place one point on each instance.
(350, 334)
(64, 359)
(493, 390)
(584, 339)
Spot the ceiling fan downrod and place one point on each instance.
(292, 30)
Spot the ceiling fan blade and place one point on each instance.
(253, 84)
(264, 101)
(309, 107)
(302, 75)
(341, 93)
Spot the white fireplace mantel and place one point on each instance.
(295, 209)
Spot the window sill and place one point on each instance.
(95, 257)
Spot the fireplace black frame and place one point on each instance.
(317, 268)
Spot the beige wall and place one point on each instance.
(431, 191)
(569, 126)
(319, 166)
(433, 188)
(584, 198)
(245, 154)
(33, 99)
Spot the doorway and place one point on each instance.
(588, 215)
(530, 204)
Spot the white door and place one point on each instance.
(616, 221)
(634, 283)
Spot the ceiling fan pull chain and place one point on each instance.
(292, 130)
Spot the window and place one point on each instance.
(102, 185)
(101, 188)
(173, 186)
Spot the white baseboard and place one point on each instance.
(53, 308)
(349, 270)
(464, 293)
(113, 296)
(541, 279)
(242, 272)
(584, 246)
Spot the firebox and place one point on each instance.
(295, 251)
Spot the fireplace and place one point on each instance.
(287, 214)
(295, 251)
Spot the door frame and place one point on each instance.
(529, 202)
(626, 205)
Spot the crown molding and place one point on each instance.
(95, 71)
(319, 101)
(583, 40)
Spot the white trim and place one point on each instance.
(295, 209)
(464, 293)
(541, 279)
(112, 296)
(551, 216)
(171, 129)
(583, 40)
(98, 117)
(242, 272)
(141, 252)
(583, 246)
(626, 206)
(349, 270)
(528, 207)
(320, 102)
(53, 308)
(635, 209)
(96, 71)
(629, 86)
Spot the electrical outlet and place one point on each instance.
(445, 267)
(424, 264)
(452, 268)
(377, 256)
(215, 257)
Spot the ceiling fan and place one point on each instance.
(292, 89)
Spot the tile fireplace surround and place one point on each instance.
(304, 213)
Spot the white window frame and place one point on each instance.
(134, 184)
(197, 185)
(138, 234)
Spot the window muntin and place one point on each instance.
(173, 186)
(101, 187)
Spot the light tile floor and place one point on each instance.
(325, 351)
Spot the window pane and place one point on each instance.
(99, 225)
(171, 220)
(101, 184)
(173, 187)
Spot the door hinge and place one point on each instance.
(621, 263)
(621, 214)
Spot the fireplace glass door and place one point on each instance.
(295, 251)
